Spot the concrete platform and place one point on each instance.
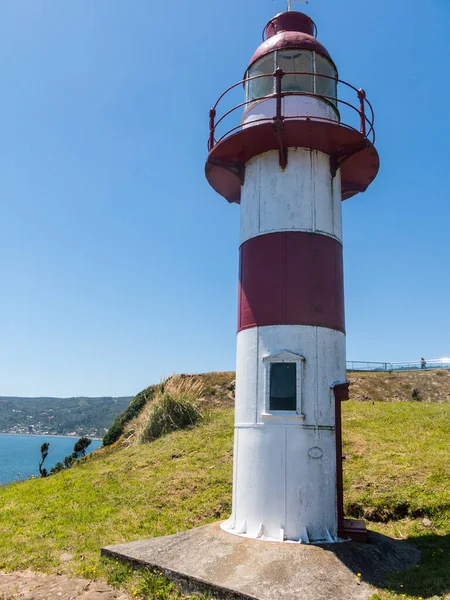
(208, 559)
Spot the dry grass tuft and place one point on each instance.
(184, 386)
(173, 407)
(207, 392)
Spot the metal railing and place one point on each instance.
(362, 108)
(387, 367)
(357, 365)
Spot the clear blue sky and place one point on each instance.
(118, 261)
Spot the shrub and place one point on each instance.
(81, 446)
(415, 394)
(44, 453)
(68, 462)
(79, 451)
(114, 432)
(168, 414)
(57, 468)
(134, 408)
(173, 408)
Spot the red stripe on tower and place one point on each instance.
(291, 278)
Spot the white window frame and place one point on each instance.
(283, 357)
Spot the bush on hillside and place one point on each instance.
(81, 446)
(415, 395)
(79, 451)
(133, 410)
(173, 408)
(169, 414)
(44, 453)
(57, 468)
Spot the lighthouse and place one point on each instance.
(298, 142)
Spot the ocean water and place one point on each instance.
(20, 454)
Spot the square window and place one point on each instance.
(283, 387)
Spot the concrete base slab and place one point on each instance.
(208, 559)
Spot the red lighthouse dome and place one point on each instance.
(292, 101)
(289, 30)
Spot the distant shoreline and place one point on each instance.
(74, 437)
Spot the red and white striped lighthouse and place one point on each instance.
(289, 153)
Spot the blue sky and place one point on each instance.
(118, 261)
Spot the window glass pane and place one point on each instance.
(296, 60)
(327, 87)
(283, 386)
(258, 88)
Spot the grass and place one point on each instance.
(397, 459)
(173, 407)
(396, 475)
(115, 495)
(144, 584)
(421, 386)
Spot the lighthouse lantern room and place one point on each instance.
(289, 152)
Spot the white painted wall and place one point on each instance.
(284, 484)
(300, 107)
(285, 467)
(325, 364)
(303, 197)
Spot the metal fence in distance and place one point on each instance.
(420, 365)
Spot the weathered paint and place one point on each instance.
(298, 107)
(294, 167)
(324, 365)
(303, 197)
(291, 300)
(290, 21)
(290, 40)
(358, 159)
(281, 493)
(285, 466)
(291, 278)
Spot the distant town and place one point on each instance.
(40, 428)
(89, 417)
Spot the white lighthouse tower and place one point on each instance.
(289, 153)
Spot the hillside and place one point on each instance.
(397, 476)
(59, 416)
(422, 386)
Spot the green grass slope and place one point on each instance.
(397, 475)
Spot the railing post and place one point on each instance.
(278, 88)
(362, 110)
(212, 117)
(278, 120)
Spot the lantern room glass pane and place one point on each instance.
(300, 61)
(283, 387)
(324, 86)
(264, 86)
